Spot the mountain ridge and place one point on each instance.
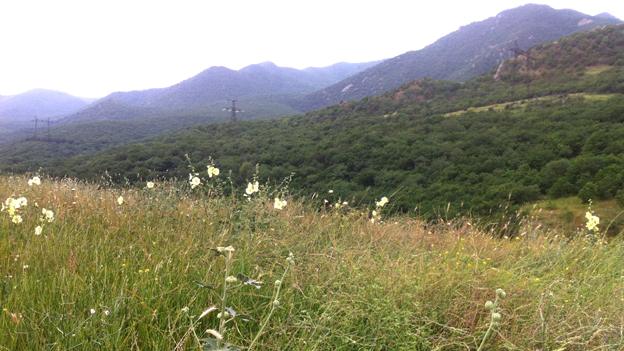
(216, 85)
(471, 50)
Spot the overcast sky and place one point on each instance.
(92, 48)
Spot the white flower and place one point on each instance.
(382, 202)
(331, 191)
(150, 185)
(17, 219)
(92, 311)
(49, 214)
(252, 188)
(120, 200)
(34, 181)
(106, 312)
(195, 182)
(38, 230)
(279, 204)
(213, 171)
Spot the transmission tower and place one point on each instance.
(48, 129)
(36, 120)
(233, 111)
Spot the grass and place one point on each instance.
(595, 70)
(567, 214)
(397, 285)
(521, 104)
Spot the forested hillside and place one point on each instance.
(470, 51)
(474, 145)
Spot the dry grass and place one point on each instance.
(399, 285)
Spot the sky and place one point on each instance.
(91, 48)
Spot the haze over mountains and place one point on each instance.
(18, 111)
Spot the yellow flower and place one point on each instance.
(592, 221)
(120, 200)
(17, 219)
(279, 204)
(213, 171)
(382, 202)
(150, 185)
(34, 181)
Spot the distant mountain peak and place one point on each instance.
(472, 50)
(606, 15)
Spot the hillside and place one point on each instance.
(436, 146)
(143, 273)
(263, 90)
(466, 53)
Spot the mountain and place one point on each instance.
(263, 90)
(548, 124)
(39, 103)
(607, 15)
(468, 52)
(18, 111)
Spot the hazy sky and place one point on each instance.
(91, 48)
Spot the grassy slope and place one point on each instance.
(400, 285)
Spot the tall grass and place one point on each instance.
(148, 270)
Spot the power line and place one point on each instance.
(233, 111)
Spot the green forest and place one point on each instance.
(548, 125)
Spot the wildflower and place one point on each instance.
(230, 279)
(92, 311)
(150, 185)
(106, 312)
(278, 282)
(17, 219)
(34, 181)
(225, 249)
(49, 214)
(279, 204)
(194, 181)
(38, 230)
(120, 200)
(291, 258)
(382, 202)
(592, 221)
(330, 191)
(213, 171)
(252, 188)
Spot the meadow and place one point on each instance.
(201, 265)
